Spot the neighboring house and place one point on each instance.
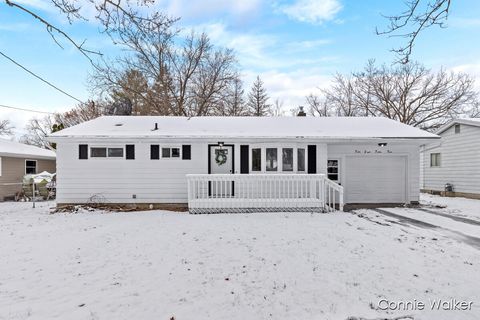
(145, 160)
(17, 160)
(451, 166)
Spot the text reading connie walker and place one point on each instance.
(431, 304)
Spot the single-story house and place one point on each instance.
(450, 166)
(17, 160)
(249, 162)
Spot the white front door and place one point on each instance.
(221, 162)
(221, 159)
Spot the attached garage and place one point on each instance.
(376, 179)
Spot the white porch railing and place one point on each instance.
(215, 193)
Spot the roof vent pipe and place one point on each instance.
(156, 127)
(301, 113)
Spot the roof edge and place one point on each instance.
(449, 124)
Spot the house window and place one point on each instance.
(103, 152)
(332, 170)
(287, 159)
(256, 159)
(434, 159)
(170, 152)
(271, 159)
(300, 159)
(30, 166)
(457, 128)
(175, 152)
(115, 152)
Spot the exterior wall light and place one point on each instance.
(382, 144)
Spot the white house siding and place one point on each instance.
(113, 180)
(117, 180)
(410, 152)
(460, 159)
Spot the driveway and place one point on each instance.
(455, 227)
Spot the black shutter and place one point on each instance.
(154, 152)
(186, 152)
(83, 151)
(312, 159)
(244, 159)
(130, 151)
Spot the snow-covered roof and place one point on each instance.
(468, 121)
(243, 127)
(15, 149)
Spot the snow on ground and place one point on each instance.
(439, 221)
(158, 265)
(463, 207)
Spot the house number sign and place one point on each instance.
(376, 151)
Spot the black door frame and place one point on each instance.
(210, 166)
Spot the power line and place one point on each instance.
(40, 78)
(24, 109)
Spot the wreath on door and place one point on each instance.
(220, 156)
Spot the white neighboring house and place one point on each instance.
(451, 166)
(145, 160)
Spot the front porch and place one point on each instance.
(231, 193)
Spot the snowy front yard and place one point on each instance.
(159, 265)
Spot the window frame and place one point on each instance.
(251, 159)
(279, 146)
(111, 148)
(36, 166)
(170, 147)
(438, 160)
(283, 158)
(304, 160)
(266, 161)
(457, 128)
(90, 147)
(338, 169)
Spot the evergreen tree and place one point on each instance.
(258, 100)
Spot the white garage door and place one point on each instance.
(375, 179)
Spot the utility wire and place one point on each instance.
(24, 109)
(40, 78)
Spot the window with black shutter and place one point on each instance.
(130, 151)
(186, 152)
(154, 152)
(83, 151)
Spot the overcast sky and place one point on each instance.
(295, 46)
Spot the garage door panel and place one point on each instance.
(375, 179)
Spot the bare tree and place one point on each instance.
(82, 113)
(277, 110)
(184, 76)
(258, 100)
(37, 131)
(418, 16)
(6, 129)
(407, 93)
(110, 14)
(343, 96)
(131, 87)
(317, 106)
(235, 100)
